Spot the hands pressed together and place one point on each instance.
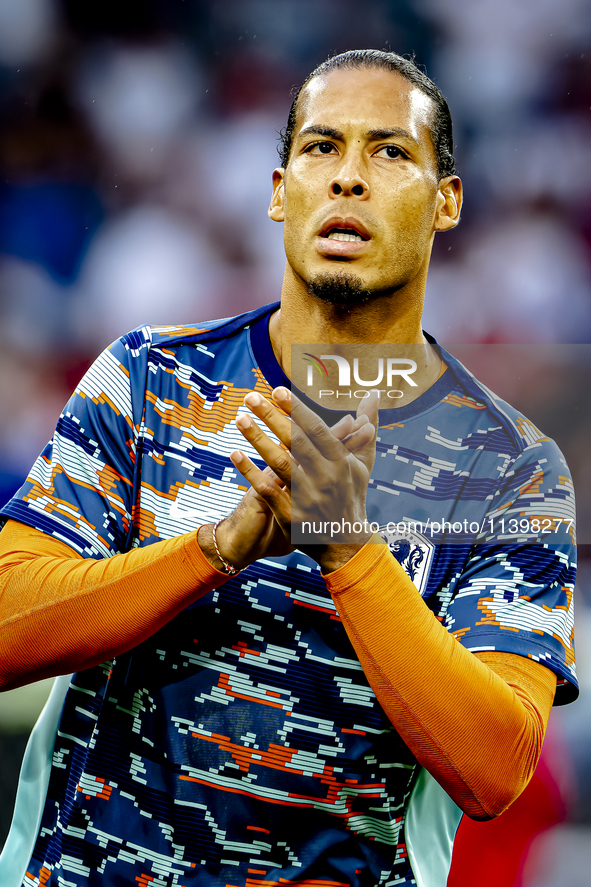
(319, 476)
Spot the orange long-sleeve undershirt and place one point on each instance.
(61, 613)
(477, 727)
(476, 722)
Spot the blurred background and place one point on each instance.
(137, 141)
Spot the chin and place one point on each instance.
(341, 289)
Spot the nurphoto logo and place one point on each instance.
(386, 369)
(339, 376)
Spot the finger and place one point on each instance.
(282, 397)
(369, 406)
(315, 430)
(366, 452)
(286, 430)
(252, 493)
(346, 431)
(278, 459)
(264, 483)
(273, 478)
(268, 472)
(344, 427)
(276, 421)
(361, 438)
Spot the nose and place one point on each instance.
(349, 183)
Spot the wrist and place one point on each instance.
(332, 557)
(336, 556)
(361, 565)
(216, 551)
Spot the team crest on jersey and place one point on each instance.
(412, 550)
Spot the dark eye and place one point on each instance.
(391, 152)
(321, 148)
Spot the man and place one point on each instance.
(311, 720)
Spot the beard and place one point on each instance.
(341, 289)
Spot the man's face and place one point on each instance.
(360, 196)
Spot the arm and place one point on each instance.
(478, 726)
(60, 612)
(476, 722)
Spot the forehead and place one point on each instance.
(366, 99)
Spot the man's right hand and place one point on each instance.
(249, 533)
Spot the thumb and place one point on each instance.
(369, 407)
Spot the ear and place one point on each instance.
(449, 203)
(276, 206)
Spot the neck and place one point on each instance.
(393, 319)
(305, 319)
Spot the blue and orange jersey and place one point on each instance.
(242, 745)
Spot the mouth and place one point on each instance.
(343, 234)
(344, 230)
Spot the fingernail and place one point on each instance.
(243, 422)
(280, 393)
(236, 456)
(253, 399)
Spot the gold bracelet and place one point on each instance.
(228, 568)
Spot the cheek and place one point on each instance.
(300, 202)
(416, 203)
(306, 183)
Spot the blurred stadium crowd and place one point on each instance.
(137, 141)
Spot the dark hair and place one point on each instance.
(441, 126)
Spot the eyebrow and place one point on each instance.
(319, 130)
(374, 135)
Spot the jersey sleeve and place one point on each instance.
(516, 594)
(81, 488)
